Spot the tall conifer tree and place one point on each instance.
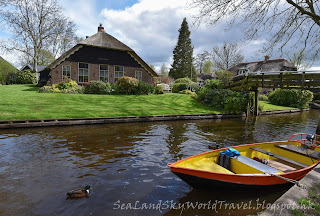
(182, 55)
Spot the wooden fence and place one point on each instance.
(293, 79)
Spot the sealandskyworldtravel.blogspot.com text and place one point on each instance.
(213, 205)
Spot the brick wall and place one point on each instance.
(56, 73)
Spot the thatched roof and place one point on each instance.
(267, 65)
(103, 39)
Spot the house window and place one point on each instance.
(66, 71)
(118, 72)
(138, 75)
(104, 73)
(83, 72)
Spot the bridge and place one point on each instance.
(308, 80)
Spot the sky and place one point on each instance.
(150, 27)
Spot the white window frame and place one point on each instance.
(117, 72)
(104, 73)
(140, 77)
(83, 69)
(64, 70)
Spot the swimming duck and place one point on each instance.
(79, 193)
(214, 146)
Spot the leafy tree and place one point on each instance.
(163, 70)
(36, 25)
(226, 56)
(208, 67)
(224, 76)
(182, 55)
(281, 21)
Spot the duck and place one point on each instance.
(79, 193)
(214, 146)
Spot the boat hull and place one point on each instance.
(212, 184)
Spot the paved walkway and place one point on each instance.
(288, 201)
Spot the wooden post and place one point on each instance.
(318, 128)
(256, 102)
(262, 80)
(303, 77)
(281, 78)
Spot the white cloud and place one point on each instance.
(151, 29)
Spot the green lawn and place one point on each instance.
(19, 102)
(24, 102)
(267, 106)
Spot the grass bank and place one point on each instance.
(268, 106)
(24, 102)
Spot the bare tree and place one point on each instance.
(288, 23)
(226, 56)
(298, 59)
(200, 60)
(36, 25)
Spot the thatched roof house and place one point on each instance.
(268, 65)
(99, 57)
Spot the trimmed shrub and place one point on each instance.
(97, 87)
(26, 77)
(177, 87)
(192, 85)
(183, 80)
(143, 88)
(127, 85)
(291, 97)
(158, 89)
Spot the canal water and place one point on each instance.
(126, 165)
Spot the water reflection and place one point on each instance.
(124, 163)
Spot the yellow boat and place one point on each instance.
(259, 165)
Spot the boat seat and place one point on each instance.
(255, 164)
(280, 157)
(301, 150)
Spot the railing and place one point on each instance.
(303, 140)
(276, 79)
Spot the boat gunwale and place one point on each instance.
(179, 169)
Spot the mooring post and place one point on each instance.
(255, 102)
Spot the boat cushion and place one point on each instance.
(255, 164)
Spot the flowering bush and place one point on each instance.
(67, 86)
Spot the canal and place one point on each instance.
(126, 165)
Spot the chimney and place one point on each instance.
(101, 28)
(266, 58)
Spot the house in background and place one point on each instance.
(30, 67)
(202, 77)
(99, 57)
(268, 65)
